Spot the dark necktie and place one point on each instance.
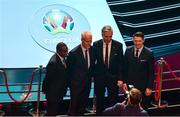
(64, 62)
(106, 56)
(86, 57)
(136, 55)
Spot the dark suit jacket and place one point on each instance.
(120, 109)
(55, 82)
(139, 71)
(78, 74)
(115, 62)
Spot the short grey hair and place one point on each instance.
(106, 28)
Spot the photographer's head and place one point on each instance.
(134, 97)
(130, 107)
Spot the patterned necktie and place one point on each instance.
(106, 56)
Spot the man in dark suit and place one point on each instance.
(139, 67)
(108, 69)
(130, 107)
(55, 83)
(80, 62)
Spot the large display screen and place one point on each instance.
(30, 29)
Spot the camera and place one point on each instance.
(129, 88)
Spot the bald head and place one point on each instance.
(86, 39)
(86, 34)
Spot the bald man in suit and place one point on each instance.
(80, 63)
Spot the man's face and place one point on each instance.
(86, 41)
(63, 52)
(107, 36)
(138, 42)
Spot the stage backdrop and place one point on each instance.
(30, 29)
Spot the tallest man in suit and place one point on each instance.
(139, 67)
(108, 68)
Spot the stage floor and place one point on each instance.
(18, 80)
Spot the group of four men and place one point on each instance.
(105, 62)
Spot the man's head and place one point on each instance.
(62, 49)
(86, 39)
(107, 33)
(135, 96)
(138, 39)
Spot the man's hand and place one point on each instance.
(125, 88)
(148, 91)
(120, 83)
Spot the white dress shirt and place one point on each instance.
(109, 51)
(139, 52)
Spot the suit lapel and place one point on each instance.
(142, 53)
(101, 51)
(81, 57)
(112, 52)
(132, 52)
(90, 55)
(59, 61)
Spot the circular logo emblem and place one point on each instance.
(57, 23)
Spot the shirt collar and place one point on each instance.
(60, 56)
(104, 44)
(83, 48)
(138, 49)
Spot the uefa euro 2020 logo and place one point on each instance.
(56, 21)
